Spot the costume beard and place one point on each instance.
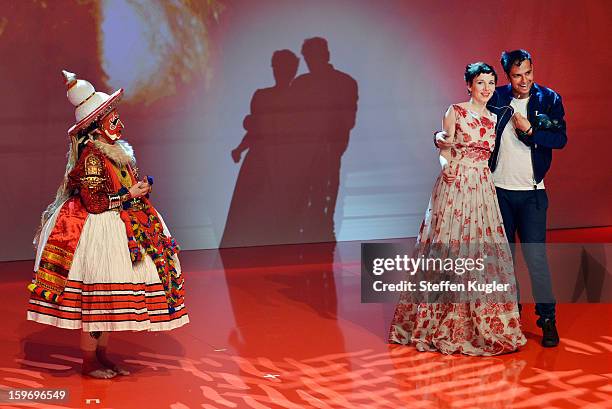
(119, 152)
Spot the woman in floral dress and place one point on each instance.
(463, 213)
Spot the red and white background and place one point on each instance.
(190, 68)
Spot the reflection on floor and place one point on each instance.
(283, 327)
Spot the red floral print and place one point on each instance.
(460, 213)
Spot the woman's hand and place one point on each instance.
(236, 155)
(521, 123)
(449, 174)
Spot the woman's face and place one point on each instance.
(482, 88)
(284, 73)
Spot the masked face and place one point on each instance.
(111, 126)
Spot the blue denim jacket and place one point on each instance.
(541, 142)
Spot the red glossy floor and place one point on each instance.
(283, 327)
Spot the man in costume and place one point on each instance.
(105, 259)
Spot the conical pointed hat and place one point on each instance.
(90, 104)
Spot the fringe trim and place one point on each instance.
(44, 293)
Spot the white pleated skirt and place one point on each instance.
(105, 290)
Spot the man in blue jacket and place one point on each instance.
(530, 125)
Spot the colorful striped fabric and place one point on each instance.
(110, 307)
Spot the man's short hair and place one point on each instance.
(515, 57)
(315, 46)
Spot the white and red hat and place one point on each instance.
(90, 104)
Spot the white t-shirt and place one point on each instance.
(514, 170)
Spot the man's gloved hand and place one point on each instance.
(440, 140)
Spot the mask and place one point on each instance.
(111, 126)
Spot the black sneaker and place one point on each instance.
(550, 337)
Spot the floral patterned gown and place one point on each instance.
(464, 214)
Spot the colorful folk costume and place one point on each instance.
(105, 260)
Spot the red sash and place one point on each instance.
(52, 274)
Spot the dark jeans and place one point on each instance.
(524, 212)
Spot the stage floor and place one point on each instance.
(283, 327)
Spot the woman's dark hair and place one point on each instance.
(285, 59)
(285, 65)
(515, 57)
(475, 69)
